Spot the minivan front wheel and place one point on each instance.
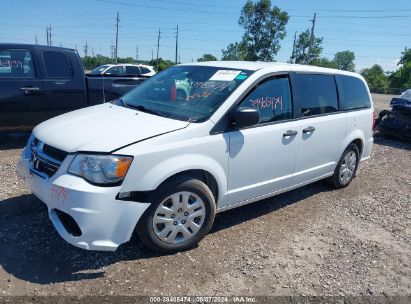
(182, 212)
(346, 168)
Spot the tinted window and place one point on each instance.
(317, 94)
(16, 64)
(132, 70)
(144, 70)
(353, 93)
(116, 70)
(272, 98)
(57, 65)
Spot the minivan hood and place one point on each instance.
(103, 128)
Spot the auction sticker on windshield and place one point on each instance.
(225, 75)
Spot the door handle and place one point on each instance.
(308, 130)
(30, 89)
(290, 133)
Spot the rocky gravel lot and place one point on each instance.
(310, 241)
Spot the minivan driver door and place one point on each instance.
(262, 157)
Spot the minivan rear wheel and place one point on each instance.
(181, 213)
(346, 167)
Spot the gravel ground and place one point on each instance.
(310, 241)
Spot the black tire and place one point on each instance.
(145, 228)
(335, 180)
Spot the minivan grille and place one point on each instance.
(45, 160)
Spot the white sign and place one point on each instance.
(225, 75)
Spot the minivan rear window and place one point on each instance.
(317, 94)
(353, 93)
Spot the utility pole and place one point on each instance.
(152, 55)
(293, 53)
(311, 40)
(85, 55)
(112, 51)
(158, 45)
(136, 52)
(85, 49)
(116, 50)
(176, 43)
(35, 39)
(48, 33)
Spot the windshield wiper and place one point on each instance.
(147, 110)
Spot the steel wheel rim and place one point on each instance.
(179, 217)
(347, 168)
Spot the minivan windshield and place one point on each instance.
(189, 93)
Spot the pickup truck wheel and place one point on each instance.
(346, 167)
(181, 214)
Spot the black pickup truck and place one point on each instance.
(39, 82)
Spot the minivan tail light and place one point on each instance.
(374, 120)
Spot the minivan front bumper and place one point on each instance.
(86, 216)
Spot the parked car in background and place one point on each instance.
(163, 166)
(39, 82)
(406, 95)
(122, 70)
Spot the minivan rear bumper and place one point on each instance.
(366, 153)
(86, 216)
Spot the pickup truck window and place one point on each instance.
(16, 64)
(57, 65)
(189, 93)
(272, 98)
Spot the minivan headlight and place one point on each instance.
(100, 169)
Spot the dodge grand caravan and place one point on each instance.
(163, 163)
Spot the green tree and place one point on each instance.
(207, 57)
(264, 27)
(234, 51)
(375, 77)
(345, 60)
(402, 77)
(161, 64)
(405, 56)
(325, 63)
(302, 47)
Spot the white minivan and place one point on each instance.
(163, 162)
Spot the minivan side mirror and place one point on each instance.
(246, 117)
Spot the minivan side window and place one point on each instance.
(272, 98)
(317, 94)
(57, 65)
(352, 92)
(16, 64)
